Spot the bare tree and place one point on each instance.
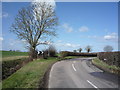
(80, 50)
(88, 48)
(34, 22)
(108, 48)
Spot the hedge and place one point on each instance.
(111, 58)
(66, 53)
(9, 67)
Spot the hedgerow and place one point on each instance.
(9, 67)
(67, 53)
(111, 58)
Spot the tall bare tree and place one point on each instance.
(88, 48)
(80, 49)
(34, 22)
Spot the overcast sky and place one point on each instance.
(80, 24)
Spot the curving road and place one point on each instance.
(80, 73)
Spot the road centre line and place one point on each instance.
(73, 67)
(91, 84)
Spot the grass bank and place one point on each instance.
(29, 75)
(105, 67)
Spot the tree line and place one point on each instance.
(88, 49)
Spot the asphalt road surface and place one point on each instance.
(80, 73)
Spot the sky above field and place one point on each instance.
(80, 24)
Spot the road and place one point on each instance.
(80, 73)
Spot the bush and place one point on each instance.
(45, 54)
(9, 67)
(105, 67)
(111, 58)
(52, 51)
(66, 53)
(83, 54)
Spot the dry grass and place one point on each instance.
(13, 58)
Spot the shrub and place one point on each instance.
(52, 51)
(9, 67)
(111, 58)
(109, 68)
(64, 53)
(45, 54)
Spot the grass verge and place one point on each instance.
(29, 75)
(105, 67)
(70, 57)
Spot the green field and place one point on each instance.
(13, 53)
(29, 75)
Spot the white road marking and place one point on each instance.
(74, 61)
(74, 67)
(91, 84)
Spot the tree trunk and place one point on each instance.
(33, 53)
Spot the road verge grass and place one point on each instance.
(71, 57)
(68, 57)
(105, 67)
(29, 75)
